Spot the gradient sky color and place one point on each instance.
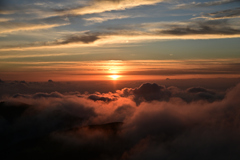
(136, 39)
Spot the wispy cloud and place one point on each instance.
(99, 6)
(100, 19)
(224, 14)
(9, 27)
(218, 27)
(193, 29)
(5, 19)
(203, 4)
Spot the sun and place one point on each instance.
(114, 77)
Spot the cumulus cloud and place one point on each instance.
(152, 92)
(73, 126)
(147, 92)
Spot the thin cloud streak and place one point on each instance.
(224, 14)
(93, 20)
(9, 27)
(99, 6)
(203, 4)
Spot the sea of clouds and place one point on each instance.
(147, 122)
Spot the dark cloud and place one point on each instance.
(200, 93)
(202, 27)
(199, 89)
(12, 111)
(3, 5)
(45, 95)
(149, 92)
(100, 98)
(229, 13)
(88, 38)
(40, 95)
(69, 126)
(204, 4)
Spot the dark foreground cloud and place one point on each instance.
(147, 122)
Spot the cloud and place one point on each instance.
(5, 19)
(217, 27)
(93, 20)
(77, 127)
(224, 14)
(199, 89)
(100, 98)
(99, 6)
(194, 29)
(87, 38)
(12, 111)
(203, 4)
(79, 40)
(152, 92)
(9, 27)
(40, 95)
(147, 92)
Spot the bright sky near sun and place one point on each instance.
(116, 39)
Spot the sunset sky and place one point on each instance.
(134, 39)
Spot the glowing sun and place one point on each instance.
(114, 77)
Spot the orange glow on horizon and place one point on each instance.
(116, 70)
(114, 77)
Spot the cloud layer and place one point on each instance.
(147, 122)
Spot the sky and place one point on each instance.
(119, 39)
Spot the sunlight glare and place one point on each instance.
(114, 77)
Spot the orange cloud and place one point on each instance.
(99, 6)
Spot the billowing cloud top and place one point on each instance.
(150, 121)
